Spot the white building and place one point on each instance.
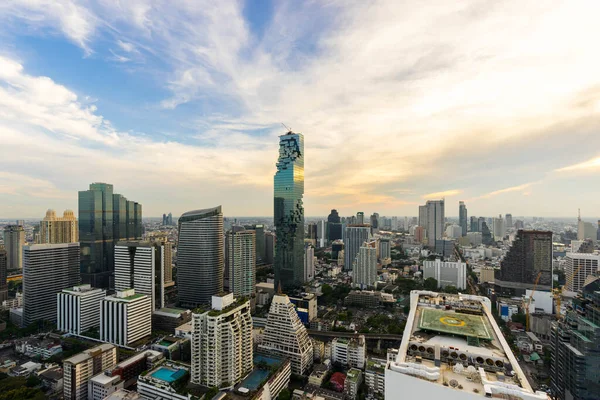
(140, 265)
(385, 249)
(241, 261)
(578, 266)
(125, 317)
(309, 263)
(352, 383)
(80, 368)
(364, 272)
(160, 383)
(285, 335)
(456, 352)
(222, 353)
(355, 236)
(454, 231)
(586, 230)
(498, 228)
(78, 309)
(375, 375)
(349, 352)
(446, 273)
(432, 218)
(103, 385)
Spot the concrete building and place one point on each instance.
(78, 309)
(578, 266)
(222, 353)
(14, 240)
(79, 369)
(3, 275)
(163, 381)
(508, 221)
(309, 263)
(456, 352)
(286, 336)
(364, 272)
(349, 352)
(375, 376)
(586, 230)
(200, 256)
(47, 269)
(55, 229)
(354, 378)
(104, 218)
(446, 273)
(125, 318)
(385, 249)
(307, 301)
(140, 265)
(529, 255)
(241, 261)
(355, 236)
(498, 228)
(462, 217)
(103, 385)
(432, 218)
(454, 231)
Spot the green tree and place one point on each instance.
(430, 284)
(450, 289)
(519, 318)
(284, 395)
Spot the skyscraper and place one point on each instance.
(309, 263)
(334, 226)
(354, 238)
(3, 275)
(529, 255)
(222, 353)
(462, 217)
(125, 318)
(499, 229)
(241, 255)
(104, 218)
(375, 221)
(509, 222)
(140, 265)
(312, 232)
(200, 256)
(432, 218)
(486, 235)
(289, 211)
(55, 229)
(360, 218)
(474, 224)
(14, 239)
(575, 348)
(78, 309)
(47, 269)
(286, 336)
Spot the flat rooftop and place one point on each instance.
(453, 341)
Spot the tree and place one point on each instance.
(450, 289)
(430, 284)
(519, 318)
(284, 395)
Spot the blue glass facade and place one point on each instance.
(289, 212)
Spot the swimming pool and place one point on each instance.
(168, 374)
(270, 361)
(254, 380)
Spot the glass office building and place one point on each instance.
(289, 212)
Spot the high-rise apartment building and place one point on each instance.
(446, 273)
(140, 265)
(125, 318)
(241, 256)
(364, 273)
(586, 230)
(578, 266)
(104, 218)
(78, 309)
(3, 275)
(200, 256)
(456, 352)
(14, 239)
(529, 255)
(462, 217)
(55, 229)
(79, 369)
(575, 348)
(360, 218)
(47, 269)
(432, 218)
(349, 352)
(474, 226)
(385, 249)
(309, 263)
(499, 229)
(259, 230)
(354, 237)
(289, 211)
(222, 351)
(374, 221)
(286, 336)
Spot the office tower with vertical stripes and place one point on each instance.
(125, 318)
(200, 256)
(47, 269)
(289, 211)
(78, 309)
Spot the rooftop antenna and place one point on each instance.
(287, 127)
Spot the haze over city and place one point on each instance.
(182, 103)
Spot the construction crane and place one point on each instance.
(557, 292)
(537, 279)
(287, 127)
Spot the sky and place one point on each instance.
(180, 104)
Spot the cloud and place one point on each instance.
(588, 165)
(520, 188)
(441, 195)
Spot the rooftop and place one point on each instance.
(454, 341)
(353, 375)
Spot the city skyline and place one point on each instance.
(482, 115)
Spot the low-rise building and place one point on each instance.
(26, 369)
(80, 368)
(103, 385)
(349, 352)
(125, 318)
(168, 319)
(39, 348)
(164, 382)
(375, 375)
(52, 379)
(352, 383)
(174, 348)
(131, 368)
(363, 298)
